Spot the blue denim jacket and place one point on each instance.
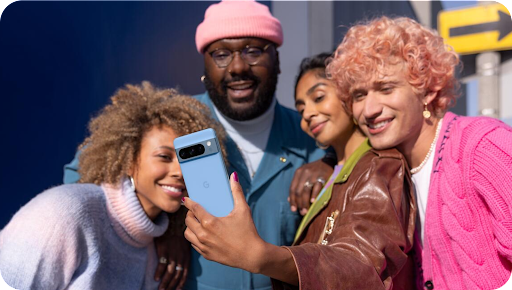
(288, 149)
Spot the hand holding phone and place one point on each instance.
(204, 171)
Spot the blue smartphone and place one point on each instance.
(204, 171)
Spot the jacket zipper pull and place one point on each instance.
(328, 227)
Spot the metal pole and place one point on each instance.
(488, 71)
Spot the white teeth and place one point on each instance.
(241, 87)
(378, 125)
(171, 188)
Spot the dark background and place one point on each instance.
(59, 64)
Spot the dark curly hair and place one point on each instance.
(116, 133)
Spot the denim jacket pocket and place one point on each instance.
(289, 222)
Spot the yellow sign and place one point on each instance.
(476, 29)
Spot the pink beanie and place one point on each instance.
(237, 18)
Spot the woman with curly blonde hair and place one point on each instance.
(100, 234)
(399, 79)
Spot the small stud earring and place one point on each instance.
(426, 112)
(202, 78)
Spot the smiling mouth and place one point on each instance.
(240, 85)
(240, 96)
(379, 125)
(317, 128)
(172, 188)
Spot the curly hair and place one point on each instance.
(369, 48)
(116, 133)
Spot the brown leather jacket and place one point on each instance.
(367, 242)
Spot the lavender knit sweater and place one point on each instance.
(468, 230)
(81, 236)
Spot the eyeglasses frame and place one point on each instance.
(239, 51)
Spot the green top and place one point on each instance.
(321, 202)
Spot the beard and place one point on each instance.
(263, 95)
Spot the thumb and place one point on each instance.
(195, 208)
(236, 190)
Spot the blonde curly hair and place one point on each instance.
(369, 47)
(116, 133)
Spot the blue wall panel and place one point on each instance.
(61, 61)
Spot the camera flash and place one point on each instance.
(208, 143)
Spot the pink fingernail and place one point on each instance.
(183, 199)
(235, 176)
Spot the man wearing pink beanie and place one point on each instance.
(265, 145)
(239, 41)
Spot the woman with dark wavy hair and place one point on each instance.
(99, 234)
(357, 234)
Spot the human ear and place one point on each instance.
(132, 170)
(277, 62)
(429, 97)
(427, 100)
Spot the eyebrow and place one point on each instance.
(312, 89)
(166, 147)
(381, 83)
(376, 84)
(309, 92)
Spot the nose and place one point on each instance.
(309, 112)
(238, 64)
(175, 170)
(372, 107)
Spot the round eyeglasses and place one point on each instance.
(250, 54)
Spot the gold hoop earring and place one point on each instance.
(355, 121)
(202, 78)
(426, 112)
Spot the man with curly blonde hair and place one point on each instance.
(398, 79)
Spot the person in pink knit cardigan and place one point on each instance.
(398, 80)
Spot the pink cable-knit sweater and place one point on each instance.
(468, 229)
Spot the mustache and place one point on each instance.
(237, 78)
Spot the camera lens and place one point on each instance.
(192, 151)
(200, 149)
